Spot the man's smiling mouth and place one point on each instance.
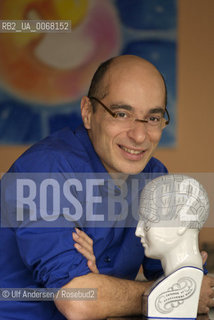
(131, 151)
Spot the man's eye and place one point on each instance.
(121, 115)
(154, 118)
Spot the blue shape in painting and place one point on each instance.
(161, 53)
(19, 123)
(147, 14)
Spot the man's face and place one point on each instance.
(127, 149)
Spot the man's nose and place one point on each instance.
(137, 132)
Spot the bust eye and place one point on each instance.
(147, 226)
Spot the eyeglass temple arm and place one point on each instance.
(102, 104)
(167, 113)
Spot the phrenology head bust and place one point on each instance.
(172, 201)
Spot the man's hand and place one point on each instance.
(206, 299)
(84, 244)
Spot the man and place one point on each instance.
(123, 120)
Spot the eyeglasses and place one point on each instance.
(123, 117)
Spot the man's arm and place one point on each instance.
(206, 299)
(115, 297)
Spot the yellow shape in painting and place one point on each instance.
(74, 10)
(23, 39)
(15, 10)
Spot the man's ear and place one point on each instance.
(86, 112)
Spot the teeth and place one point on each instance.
(131, 151)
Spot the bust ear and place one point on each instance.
(182, 230)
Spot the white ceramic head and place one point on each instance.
(172, 210)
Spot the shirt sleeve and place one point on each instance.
(48, 252)
(50, 255)
(152, 268)
(205, 268)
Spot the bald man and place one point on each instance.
(123, 116)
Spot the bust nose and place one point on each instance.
(140, 229)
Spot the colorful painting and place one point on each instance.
(44, 75)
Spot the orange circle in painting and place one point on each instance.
(54, 68)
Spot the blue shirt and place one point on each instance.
(46, 257)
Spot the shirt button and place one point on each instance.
(107, 259)
(117, 192)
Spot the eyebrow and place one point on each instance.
(121, 106)
(157, 110)
(130, 108)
